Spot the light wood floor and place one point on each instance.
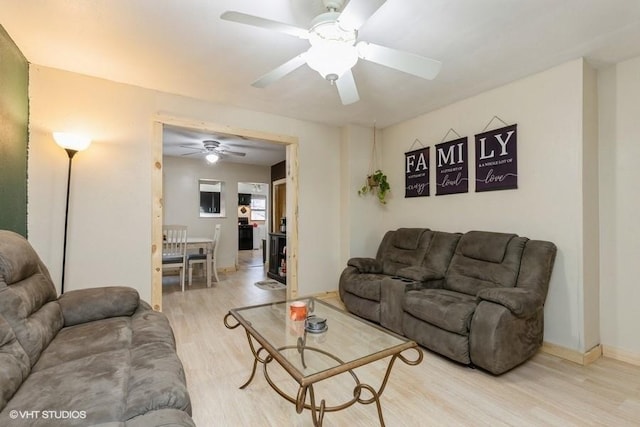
(546, 391)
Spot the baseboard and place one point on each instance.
(621, 355)
(573, 355)
(327, 295)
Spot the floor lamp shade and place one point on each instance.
(72, 143)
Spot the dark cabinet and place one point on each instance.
(245, 237)
(278, 257)
(244, 199)
(209, 202)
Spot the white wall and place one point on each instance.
(619, 93)
(110, 209)
(181, 199)
(361, 215)
(548, 108)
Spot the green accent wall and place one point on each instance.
(14, 135)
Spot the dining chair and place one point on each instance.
(201, 258)
(174, 249)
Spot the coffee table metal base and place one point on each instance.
(317, 411)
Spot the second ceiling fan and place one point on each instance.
(212, 150)
(334, 47)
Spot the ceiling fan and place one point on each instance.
(334, 47)
(212, 150)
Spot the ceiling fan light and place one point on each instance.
(212, 158)
(331, 59)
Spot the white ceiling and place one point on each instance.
(183, 47)
(180, 142)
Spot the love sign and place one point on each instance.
(496, 159)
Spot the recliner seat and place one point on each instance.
(476, 298)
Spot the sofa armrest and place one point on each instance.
(419, 274)
(520, 301)
(366, 265)
(87, 305)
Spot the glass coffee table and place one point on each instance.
(310, 356)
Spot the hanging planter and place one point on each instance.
(376, 182)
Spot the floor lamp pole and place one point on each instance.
(71, 153)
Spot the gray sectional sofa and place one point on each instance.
(476, 298)
(93, 357)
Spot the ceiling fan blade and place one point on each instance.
(279, 72)
(232, 153)
(407, 62)
(268, 24)
(356, 13)
(347, 88)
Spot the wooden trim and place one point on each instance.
(573, 355)
(621, 355)
(292, 221)
(592, 355)
(156, 218)
(291, 143)
(332, 295)
(224, 129)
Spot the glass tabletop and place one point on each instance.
(347, 342)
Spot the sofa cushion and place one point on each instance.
(441, 250)
(84, 340)
(14, 363)
(485, 246)
(419, 274)
(27, 295)
(113, 369)
(161, 417)
(451, 311)
(469, 275)
(362, 307)
(407, 247)
(86, 305)
(365, 265)
(407, 238)
(156, 380)
(453, 346)
(95, 384)
(18, 260)
(365, 285)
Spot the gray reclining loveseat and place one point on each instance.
(476, 298)
(96, 356)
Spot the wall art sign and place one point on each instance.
(452, 167)
(416, 177)
(497, 159)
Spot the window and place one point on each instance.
(258, 208)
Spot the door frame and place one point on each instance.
(291, 143)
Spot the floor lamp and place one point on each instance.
(71, 143)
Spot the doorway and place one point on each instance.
(253, 210)
(291, 145)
